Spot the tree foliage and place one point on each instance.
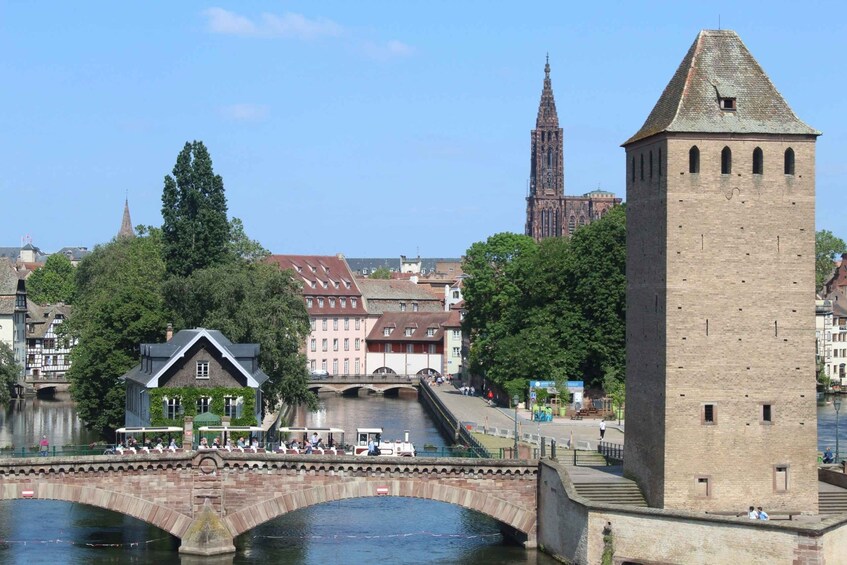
(252, 303)
(380, 273)
(241, 246)
(53, 282)
(118, 307)
(196, 232)
(548, 311)
(827, 248)
(9, 372)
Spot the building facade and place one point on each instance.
(410, 343)
(720, 213)
(336, 344)
(48, 355)
(549, 213)
(196, 359)
(13, 305)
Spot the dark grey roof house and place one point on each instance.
(199, 358)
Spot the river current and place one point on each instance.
(390, 530)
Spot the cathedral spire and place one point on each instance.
(126, 223)
(547, 116)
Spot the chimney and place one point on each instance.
(169, 333)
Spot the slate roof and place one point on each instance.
(8, 278)
(164, 355)
(41, 317)
(323, 276)
(418, 321)
(718, 65)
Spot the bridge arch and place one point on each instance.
(166, 519)
(519, 518)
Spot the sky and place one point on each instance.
(372, 129)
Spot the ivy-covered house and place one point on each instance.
(194, 372)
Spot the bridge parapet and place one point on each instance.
(183, 493)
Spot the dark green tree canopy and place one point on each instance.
(380, 273)
(53, 282)
(548, 311)
(9, 371)
(196, 232)
(119, 306)
(827, 248)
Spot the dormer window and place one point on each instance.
(308, 303)
(320, 302)
(343, 302)
(430, 332)
(353, 302)
(409, 332)
(314, 284)
(386, 331)
(728, 104)
(332, 303)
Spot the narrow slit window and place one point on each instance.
(659, 163)
(694, 160)
(726, 161)
(758, 161)
(642, 166)
(789, 161)
(709, 414)
(651, 165)
(766, 413)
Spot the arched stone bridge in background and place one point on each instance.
(207, 498)
(378, 383)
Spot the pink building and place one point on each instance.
(337, 313)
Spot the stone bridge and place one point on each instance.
(207, 498)
(380, 384)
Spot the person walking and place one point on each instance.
(43, 446)
(602, 429)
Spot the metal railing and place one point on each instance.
(57, 450)
(613, 452)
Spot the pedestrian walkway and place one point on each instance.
(474, 410)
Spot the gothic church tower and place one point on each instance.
(720, 344)
(544, 204)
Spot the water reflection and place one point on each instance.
(24, 421)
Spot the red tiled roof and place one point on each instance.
(419, 322)
(327, 277)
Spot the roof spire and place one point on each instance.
(547, 115)
(126, 223)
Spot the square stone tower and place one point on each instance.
(721, 410)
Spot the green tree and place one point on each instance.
(9, 372)
(827, 248)
(380, 273)
(118, 307)
(252, 303)
(615, 389)
(196, 232)
(53, 282)
(242, 247)
(492, 292)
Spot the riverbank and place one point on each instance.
(498, 423)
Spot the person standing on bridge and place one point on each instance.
(43, 446)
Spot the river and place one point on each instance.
(392, 530)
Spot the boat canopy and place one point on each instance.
(369, 430)
(150, 430)
(309, 430)
(225, 429)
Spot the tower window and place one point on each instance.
(758, 161)
(767, 413)
(659, 162)
(651, 164)
(633, 169)
(789, 161)
(642, 166)
(709, 415)
(728, 104)
(693, 160)
(780, 478)
(726, 161)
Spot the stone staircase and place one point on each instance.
(832, 502)
(620, 491)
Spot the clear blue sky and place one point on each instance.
(371, 129)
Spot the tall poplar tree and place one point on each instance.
(196, 231)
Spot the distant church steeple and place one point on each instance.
(126, 223)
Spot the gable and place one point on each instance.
(222, 372)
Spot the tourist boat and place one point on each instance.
(139, 443)
(252, 436)
(396, 448)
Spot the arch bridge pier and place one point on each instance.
(208, 498)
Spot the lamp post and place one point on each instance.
(515, 399)
(836, 403)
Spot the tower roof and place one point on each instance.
(547, 116)
(719, 66)
(126, 223)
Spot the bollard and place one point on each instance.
(553, 449)
(543, 446)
